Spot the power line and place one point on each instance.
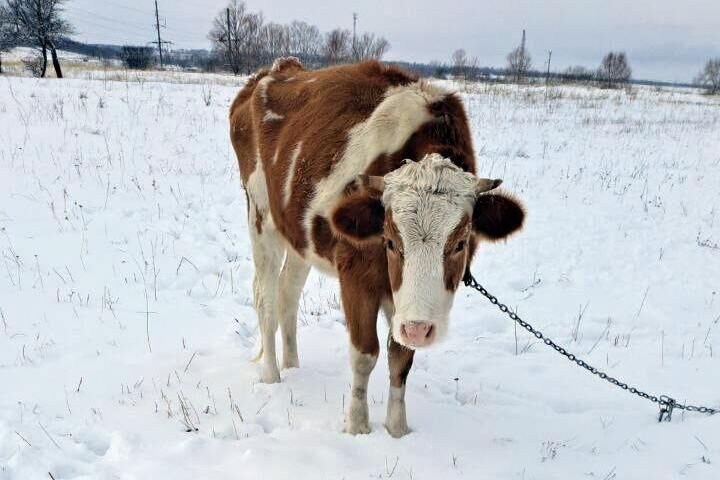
(129, 29)
(126, 7)
(123, 28)
(179, 34)
(93, 18)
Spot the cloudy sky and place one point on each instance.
(664, 39)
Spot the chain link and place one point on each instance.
(667, 404)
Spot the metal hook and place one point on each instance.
(667, 405)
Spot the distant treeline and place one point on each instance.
(204, 60)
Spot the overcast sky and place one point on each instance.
(664, 39)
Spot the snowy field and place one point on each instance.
(77, 66)
(127, 328)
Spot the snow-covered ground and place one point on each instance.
(127, 328)
(77, 66)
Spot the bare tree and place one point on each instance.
(369, 46)
(709, 77)
(614, 69)
(306, 42)
(459, 61)
(245, 42)
(39, 23)
(337, 46)
(276, 42)
(519, 61)
(235, 35)
(473, 69)
(7, 32)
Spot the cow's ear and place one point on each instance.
(497, 215)
(359, 218)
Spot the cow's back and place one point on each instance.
(302, 137)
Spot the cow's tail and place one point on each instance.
(259, 355)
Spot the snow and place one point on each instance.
(18, 53)
(125, 298)
(78, 66)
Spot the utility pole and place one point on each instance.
(547, 75)
(521, 64)
(354, 40)
(159, 40)
(231, 55)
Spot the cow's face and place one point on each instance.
(429, 215)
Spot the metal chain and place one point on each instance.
(666, 403)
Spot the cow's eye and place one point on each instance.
(390, 245)
(460, 246)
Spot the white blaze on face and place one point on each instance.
(428, 200)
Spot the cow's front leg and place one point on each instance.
(362, 364)
(400, 360)
(361, 310)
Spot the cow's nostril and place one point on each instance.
(429, 331)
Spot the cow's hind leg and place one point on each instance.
(292, 279)
(268, 253)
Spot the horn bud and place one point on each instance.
(487, 184)
(372, 182)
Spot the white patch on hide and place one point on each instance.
(362, 365)
(272, 116)
(287, 190)
(256, 187)
(262, 87)
(396, 419)
(401, 113)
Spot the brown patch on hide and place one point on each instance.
(258, 220)
(455, 254)
(394, 249)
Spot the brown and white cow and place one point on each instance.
(364, 172)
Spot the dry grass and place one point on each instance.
(93, 70)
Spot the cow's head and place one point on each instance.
(429, 215)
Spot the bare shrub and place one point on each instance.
(137, 58)
(709, 77)
(519, 62)
(614, 70)
(34, 65)
(207, 94)
(459, 61)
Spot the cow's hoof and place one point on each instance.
(397, 429)
(357, 429)
(291, 362)
(358, 417)
(269, 375)
(396, 420)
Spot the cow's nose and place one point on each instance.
(416, 333)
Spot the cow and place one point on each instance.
(366, 173)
